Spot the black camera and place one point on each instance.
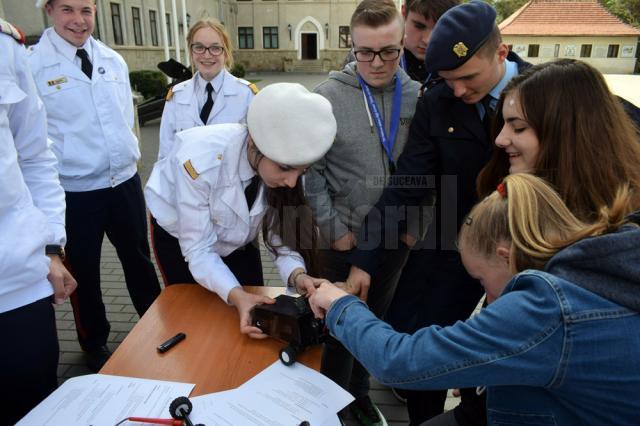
(291, 320)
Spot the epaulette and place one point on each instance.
(250, 85)
(191, 170)
(169, 94)
(12, 30)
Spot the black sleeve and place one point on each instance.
(632, 111)
(412, 182)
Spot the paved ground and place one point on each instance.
(120, 311)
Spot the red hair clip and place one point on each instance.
(502, 190)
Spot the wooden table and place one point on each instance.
(214, 356)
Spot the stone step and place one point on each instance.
(307, 66)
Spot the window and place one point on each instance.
(96, 28)
(245, 37)
(585, 51)
(270, 37)
(533, 50)
(344, 37)
(613, 51)
(153, 27)
(169, 35)
(137, 26)
(116, 21)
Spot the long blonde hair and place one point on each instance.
(217, 26)
(526, 211)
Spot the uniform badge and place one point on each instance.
(191, 170)
(57, 81)
(460, 49)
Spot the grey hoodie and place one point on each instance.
(608, 265)
(343, 186)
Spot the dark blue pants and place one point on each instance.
(434, 289)
(28, 358)
(120, 214)
(337, 362)
(244, 262)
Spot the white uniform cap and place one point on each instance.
(41, 3)
(291, 125)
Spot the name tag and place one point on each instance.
(57, 81)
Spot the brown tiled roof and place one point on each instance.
(565, 18)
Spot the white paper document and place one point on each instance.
(279, 395)
(103, 400)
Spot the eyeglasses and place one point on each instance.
(370, 55)
(200, 49)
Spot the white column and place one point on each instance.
(176, 35)
(187, 56)
(163, 29)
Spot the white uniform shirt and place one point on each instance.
(90, 120)
(196, 193)
(31, 199)
(182, 109)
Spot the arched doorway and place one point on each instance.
(309, 39)
(309, 45)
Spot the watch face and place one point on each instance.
(55, 249)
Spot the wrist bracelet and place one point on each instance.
(295, 277)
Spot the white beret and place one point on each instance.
(291, 125)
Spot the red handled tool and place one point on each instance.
(170, 422)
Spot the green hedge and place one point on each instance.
(238, 70)
(149, 83)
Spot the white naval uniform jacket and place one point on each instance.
(90, 120)
(181, 111)
(31, 198)
(196, 193)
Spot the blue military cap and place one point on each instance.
(458, 35)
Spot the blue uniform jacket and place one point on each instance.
(449, 144)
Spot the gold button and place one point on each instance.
(219, 157)
(450, 130)
(215, 221)
(58, 87)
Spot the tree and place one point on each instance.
(506, 8)
(627, 10)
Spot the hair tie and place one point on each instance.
(502, 190)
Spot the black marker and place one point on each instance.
(171, 342)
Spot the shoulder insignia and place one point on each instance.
(191, 170)
(250, 85)
(169, 94)
(12, 30)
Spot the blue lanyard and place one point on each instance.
(387, 141)
(403, 63)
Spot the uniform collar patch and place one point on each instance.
(57, 81)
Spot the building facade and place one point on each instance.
(144, 32)
(544, 30)
(293, 35)
(269, 35)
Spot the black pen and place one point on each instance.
(165, 346)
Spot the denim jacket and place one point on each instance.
(549, 351)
